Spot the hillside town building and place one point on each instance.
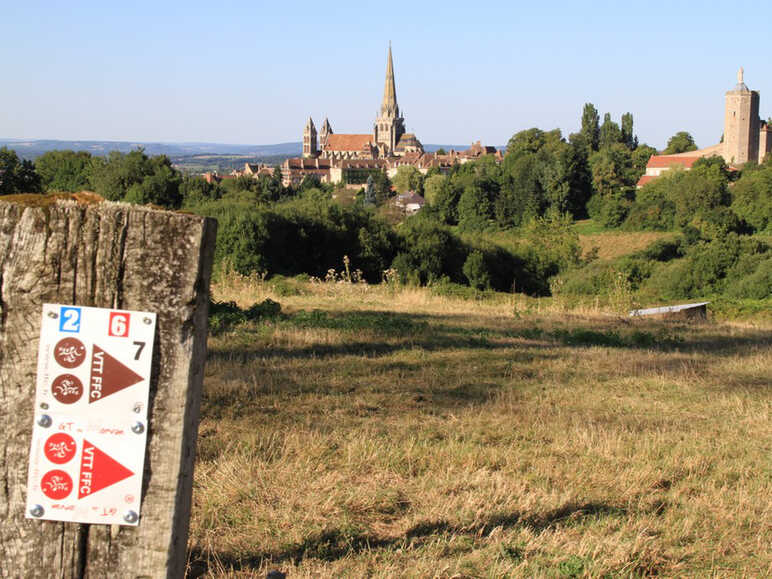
(351, 158)
(746, 136)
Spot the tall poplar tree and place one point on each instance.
(628, 138)
(590, 126)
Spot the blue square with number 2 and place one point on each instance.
(69, 319)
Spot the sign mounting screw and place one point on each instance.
(44, 405)
(37, 511)
(53, 315)
(138, 428)
(131, 517)
(44, 420)
(148, 321)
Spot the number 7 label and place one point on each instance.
(119, 324)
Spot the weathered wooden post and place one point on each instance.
(90, 253)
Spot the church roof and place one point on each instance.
(347, 142)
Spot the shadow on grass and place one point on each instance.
(334, 544)
(391, 332)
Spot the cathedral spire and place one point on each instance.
(389, 105)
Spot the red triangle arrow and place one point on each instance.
(98, 470)
(108, 375)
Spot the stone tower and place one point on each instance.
(309, 139)
(325, 132)
(741, 124)
(389, 126)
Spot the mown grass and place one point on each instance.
(392, 432)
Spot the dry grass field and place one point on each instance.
(613, 244)
(382, 432)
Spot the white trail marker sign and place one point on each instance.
(90, 431)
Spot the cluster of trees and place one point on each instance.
(310, 234)
(709, 198)
(17, 175)
(544, 182)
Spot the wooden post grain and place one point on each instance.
(115, 256)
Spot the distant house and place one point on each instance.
(410, 202)
(658, 164)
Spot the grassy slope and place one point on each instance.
(401, 434)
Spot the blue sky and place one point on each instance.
(252, 72)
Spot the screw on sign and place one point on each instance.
(56, 484)
(69, 353)
(67, 388)
(60, 448)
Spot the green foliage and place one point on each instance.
(308, 235)
(590, 131)
(610, 133)
(752, 195)
(17, 175)
(707, 267)
(196, 190)
(475, 210)
(554, 243)
(747, 281)
(476, 271)
(136, 178)
(698, 199)
(433, 185)
(681, 142)
(628, 137)
(64, 170)
(428, 252)
(640, 158)
(224, 316)
(613, 174)
(408, 178)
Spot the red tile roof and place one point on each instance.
(347, 142)
(645, 179)
(666, 161)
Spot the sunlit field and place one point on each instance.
(391, 432)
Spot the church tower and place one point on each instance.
(325, 132)
(389, 126)
(741, 124)
(309, 140)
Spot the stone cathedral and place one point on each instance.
(388, 139)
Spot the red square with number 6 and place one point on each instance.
(119, 324)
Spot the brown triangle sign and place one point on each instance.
(108, 375)
(98, 470)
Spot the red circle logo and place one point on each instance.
(69, 353)
(56, 484)
(67, 388)
(60, 448)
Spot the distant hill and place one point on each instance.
(30, 149)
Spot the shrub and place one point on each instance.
(755, 285)
(224, 316)
(476, 271)
(752, 196)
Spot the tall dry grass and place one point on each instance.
(399, 433)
